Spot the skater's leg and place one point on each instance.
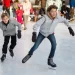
(25, 21)
(37, 43)
(5, 45)
(13, 44)
(4, 49)
(53, 45)
(53, 48)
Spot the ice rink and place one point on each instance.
(37, 65)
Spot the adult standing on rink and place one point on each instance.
(26, 7)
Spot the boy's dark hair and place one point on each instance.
(4, 14)
(51, 7)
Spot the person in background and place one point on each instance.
(15, 7)
(65, 11)
(8, 26)
(46, 26)
(42, 12)
(31, 10)
(6, 6)
(36, 15)
(19, 14)
(0, 2)
(72, 8)
(26, 7)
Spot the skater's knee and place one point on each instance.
(5, 44)
(14, 44)
(54, 45)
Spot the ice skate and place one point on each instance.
(26, 58)
(3, 57)
(51, 64)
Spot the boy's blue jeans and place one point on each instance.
(40, 38)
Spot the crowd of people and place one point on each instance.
(47, 24)
(21, 10)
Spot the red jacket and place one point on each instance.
(6, 3)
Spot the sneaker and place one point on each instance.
(3, 57)
(11, 53)
(26, 58)
(51, 63)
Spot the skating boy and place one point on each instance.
(9, 31)
(47, 26)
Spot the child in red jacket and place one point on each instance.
(6, 6)
(19, 14)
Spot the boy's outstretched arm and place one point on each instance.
(64, 20)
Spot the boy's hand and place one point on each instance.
(34, 36)
(19, 34)
(71, 31)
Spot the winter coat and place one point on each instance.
(6, 3)
(10, 29)
(19, 14)
(47, 25)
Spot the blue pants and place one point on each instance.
(40, 39)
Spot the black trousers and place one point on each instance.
(7, 9)
(6, 41)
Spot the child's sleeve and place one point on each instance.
(17, 24)
(65, 21)
(38, 24)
